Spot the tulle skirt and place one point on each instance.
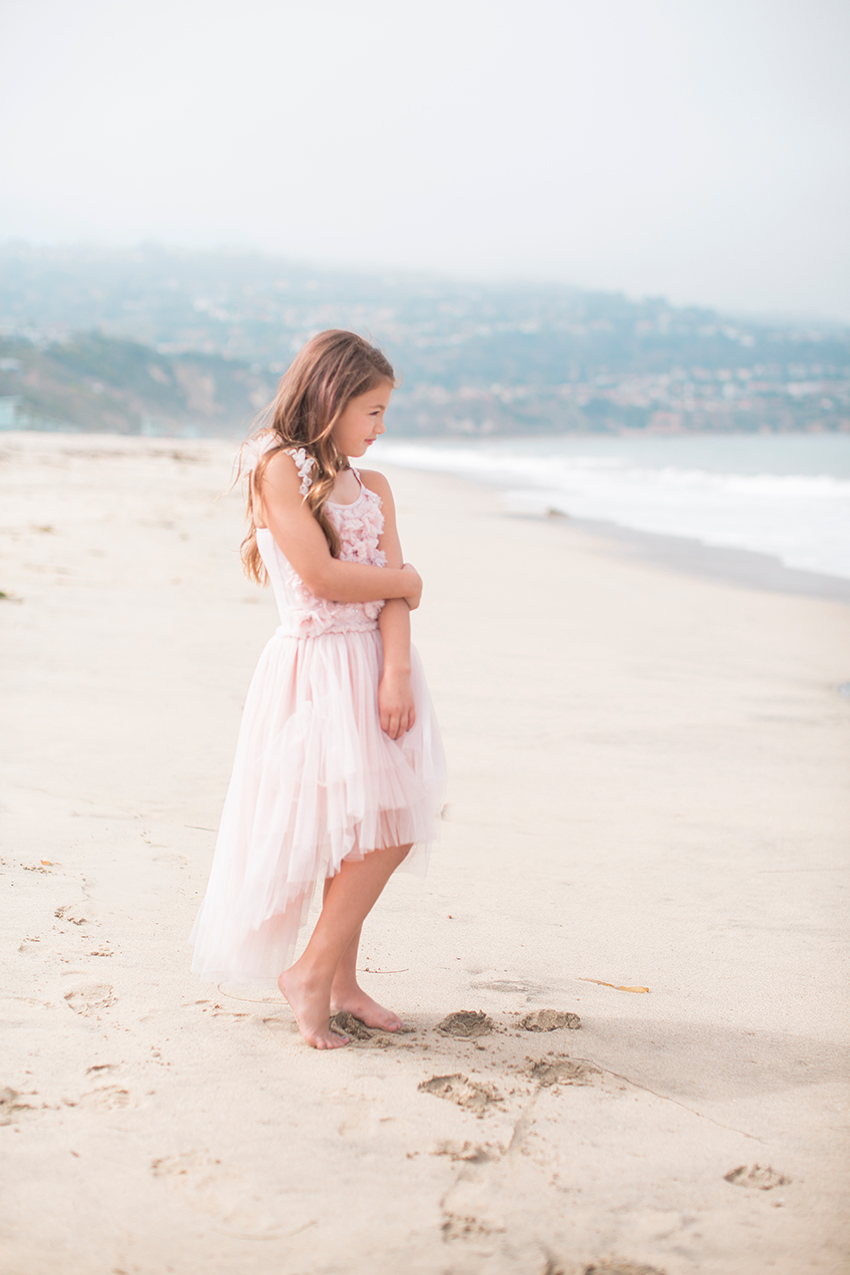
(315, 782)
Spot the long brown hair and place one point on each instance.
(332, 369)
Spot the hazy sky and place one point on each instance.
(692, 148)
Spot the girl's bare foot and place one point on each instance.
(311, 1008)
(353, 1000)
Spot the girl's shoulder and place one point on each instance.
(376, 482)
(278, 460)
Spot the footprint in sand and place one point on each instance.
(561, 1071)
(466, 1023)
(753, 1175)
(470, 1152)
(12, 1107)
(345, 1024)
(549, 1020)
(107, 1098)
(189, 1163)
(221, 1191)
(470, 1209)
(508, 985)
(90, 998)
(468, 1094)
(73, 912)
(463, 1227)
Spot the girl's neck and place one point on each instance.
(347, 487)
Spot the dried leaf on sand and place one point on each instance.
(617, 988)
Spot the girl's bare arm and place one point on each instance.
(395, 695)
(279, 505)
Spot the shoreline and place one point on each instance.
(733, 564)
(743, 567)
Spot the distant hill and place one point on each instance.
(198, 339)
(98, 384)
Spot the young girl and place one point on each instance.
(339, 769)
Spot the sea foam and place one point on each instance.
(657, 485)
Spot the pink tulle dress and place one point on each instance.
(315, 780)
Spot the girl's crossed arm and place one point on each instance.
(279, 505)
(395, 696)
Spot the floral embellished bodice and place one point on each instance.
(359, 526)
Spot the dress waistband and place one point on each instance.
(335, 631)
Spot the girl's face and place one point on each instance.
(362, 421)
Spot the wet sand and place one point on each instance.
(648, 790)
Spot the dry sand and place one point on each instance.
(648, 788)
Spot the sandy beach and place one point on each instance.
(647, 829)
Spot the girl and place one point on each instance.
(339, 769)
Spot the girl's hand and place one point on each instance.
(395, 703)
(415, 596)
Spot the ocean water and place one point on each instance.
(787, 495)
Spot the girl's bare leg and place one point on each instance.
(348, 995)
(349, 898)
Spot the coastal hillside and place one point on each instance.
(94, 383)
(196, 340)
